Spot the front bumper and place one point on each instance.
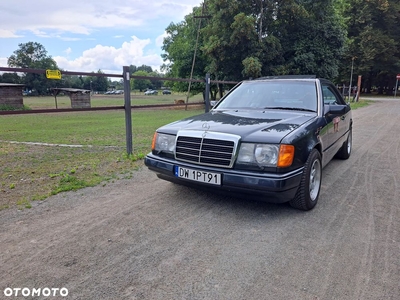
(269, 187)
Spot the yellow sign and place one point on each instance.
(53, 74)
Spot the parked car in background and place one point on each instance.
(166, 92)
(151, 92)
(267, 139)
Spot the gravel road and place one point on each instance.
(145, 238)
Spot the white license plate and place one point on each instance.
(199, 176)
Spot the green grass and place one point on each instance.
(33, 172)
(360, 103)
(99, 128)
(137, 98)
(23, 203)
(6, 107)
(3, 207)
(68, 182)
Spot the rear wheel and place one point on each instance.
(345, 151)
(307, 195)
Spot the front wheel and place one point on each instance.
(307, 195)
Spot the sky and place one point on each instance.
(91, 35)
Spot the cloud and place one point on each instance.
(68, 51)
(84, 17)
(3, 61)
(111, 59)
(160, 39)
(8, 34)
(71, 16)
(90, 35)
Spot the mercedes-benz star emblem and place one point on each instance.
(206, 127)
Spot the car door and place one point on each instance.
(336, 113)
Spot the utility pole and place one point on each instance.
(195, 51)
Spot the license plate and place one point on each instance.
(199, 176)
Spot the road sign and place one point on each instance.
(398, 76)
(53, 74)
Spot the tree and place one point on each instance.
(258, 38)
(133, 68)
(251, 67)
(229, 38)
(180, 45)
(72, 81)
(140, 84)
(373, 43)
(312, 37)
(100, 83)
(156, 83)
(95, 83)
(10, 78)
(34, 56)
(276, 37)
(145, 68)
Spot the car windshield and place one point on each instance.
(272, 94)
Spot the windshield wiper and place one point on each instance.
(290, 108)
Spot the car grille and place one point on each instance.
(206, 150)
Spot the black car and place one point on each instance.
(268, 139)
(166, 92)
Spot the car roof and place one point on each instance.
(288, 77)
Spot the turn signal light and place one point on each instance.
(286, 156)
(153, 143)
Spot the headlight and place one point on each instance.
(265, 155)
(163, 143)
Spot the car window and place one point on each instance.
(330, 95)
(291, 94)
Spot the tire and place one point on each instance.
(345, 151)
(310, 185)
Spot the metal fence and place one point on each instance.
(127, 107)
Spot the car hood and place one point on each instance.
(252, 126)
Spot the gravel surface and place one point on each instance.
(145, 238)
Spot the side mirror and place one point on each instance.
(335, 110)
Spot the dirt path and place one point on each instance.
(144, 238)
